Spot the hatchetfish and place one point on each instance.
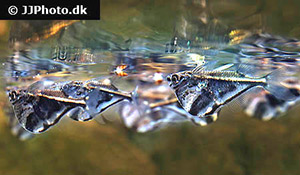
(37, 109)
(203, 92)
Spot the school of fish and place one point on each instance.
(167, 91)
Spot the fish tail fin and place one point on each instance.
(277, 86)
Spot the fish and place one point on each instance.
(38, 107)
(203, 92)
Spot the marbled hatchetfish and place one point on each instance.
(203, 92)
(37, 108)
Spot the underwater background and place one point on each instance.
(235, 144)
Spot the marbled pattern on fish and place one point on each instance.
(39, 109)
(202, 93)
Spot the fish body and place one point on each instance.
(203, 93)
(37, 109)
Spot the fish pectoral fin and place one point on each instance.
(205, 120)
(247, 70)
(212, 117)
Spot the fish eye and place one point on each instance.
(175, 78)
(13, 95)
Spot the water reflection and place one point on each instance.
(158, 38)
(253, 55)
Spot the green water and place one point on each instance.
(235, 144)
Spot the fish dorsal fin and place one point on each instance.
(198, 69)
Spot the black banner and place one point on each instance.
(50, 10)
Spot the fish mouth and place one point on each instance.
(169, 78)
(177, 85)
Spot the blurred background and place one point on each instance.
(235, 144)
